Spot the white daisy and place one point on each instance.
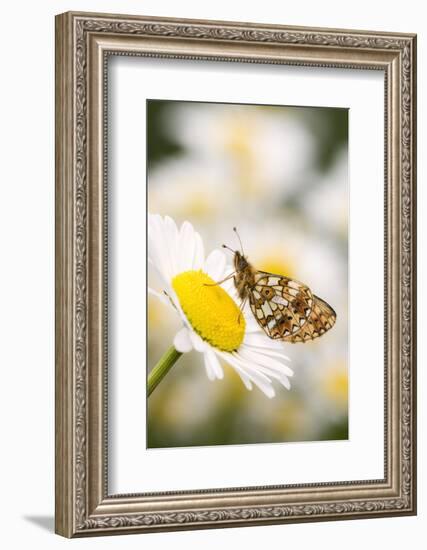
(212, 323)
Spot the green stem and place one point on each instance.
(161, 369)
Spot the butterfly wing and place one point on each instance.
(287, 310)
(322, 318)
(281, 306)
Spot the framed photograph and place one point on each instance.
(235, 274)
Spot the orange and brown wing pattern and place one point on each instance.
(280, 305)
(322, 318)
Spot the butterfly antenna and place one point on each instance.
(228, 248)
(240, 240)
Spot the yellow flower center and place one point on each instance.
(210, 310)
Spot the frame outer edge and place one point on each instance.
(74, 505)
(249, 25)
(415, 266)
(413, 252)
(64, 275)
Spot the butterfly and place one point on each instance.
(284, 308)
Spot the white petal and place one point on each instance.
(263, 354)
(199, 253)
(152, 218)
(179, 309)
(197, 342)
(245, 379)
(266, 364)
(186, 247)
(164, 282)
(215, 265)
(230, 288)
(251, 372)
(261, 381)
(261, 340)
(251, 324)
(209, 370)
(182, 341)
(267, 361)
(285, 382)
(158, 247)
(172, 238)
(157, 256)
(214, 363)
(169, 247)
(229, 285)
(262, 357)
(172, 251)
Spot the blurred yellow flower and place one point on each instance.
(335, 384)
(272, 261)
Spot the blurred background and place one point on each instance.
(280, 175)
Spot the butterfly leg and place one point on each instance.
(220, 282)
(242, 307)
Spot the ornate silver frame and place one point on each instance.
(83, 43)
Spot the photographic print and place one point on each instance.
(235, 274)
(247, 314)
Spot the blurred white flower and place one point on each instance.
(213, 324)
(188, 186)
(327, 202)
(266, 150)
